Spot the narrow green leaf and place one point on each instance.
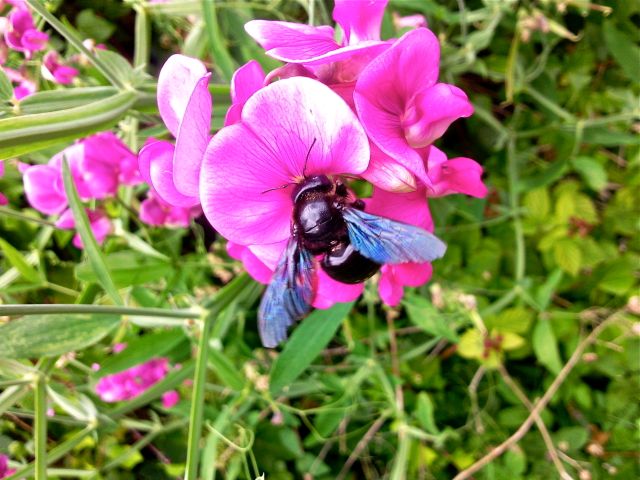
(53, 100)
(88, 240)
(142, 349)
(76, 41)
(30, 133)
(547, 289)
(622, 48)
(217, 44)
(226, 371)
(16, 259)
(47, 335)
(142, 37)
(307, 341)
(424, 413)
(6, 89)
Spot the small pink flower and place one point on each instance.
(132, 382)
(185, 106)
(5, 471)
(100, 225)
(55, 71)
(22, 34)
(170, 399)
(24, 88)
(158, 213)
(401, 106)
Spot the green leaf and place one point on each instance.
(547, 289)
(47, 335)
(619, 277)
(424, 315)
(545, 346)
(516, 320)
(471, 344)
(307, 341)
(6, 89)
(141, 349)
(16, 259)
(30, 133)
(593, 173)
(217, 43)
(127, 268)
(622, 48)
(88, 240)
(568, 256)
(537, 203)
(424, 413)
(61, 99)
(92, 26)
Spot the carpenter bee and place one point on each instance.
(329, 221)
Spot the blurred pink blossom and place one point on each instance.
(55, 71)
(100, 225)
(158, 213)
(22, 34)
(134, 381)
(5, 471)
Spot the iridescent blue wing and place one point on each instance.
(289, 295)
(387, 241)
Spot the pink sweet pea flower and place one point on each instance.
(170, 399)
(44, 189)
(410, 208)
(156, 212)
(185, 106)
(457, 175)
(55, 71)
(401, 106)
(100, 225)
(132, 382)
(5, 471)
(25, 86)
(22, 34)
(3, 199)
(263, 157)
(246, 81)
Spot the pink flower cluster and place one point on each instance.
(5, 471)
(18, 32)
(99, 164)
(359, 108)
(134, 381)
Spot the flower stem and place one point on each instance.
(41, 309)
(40, 430)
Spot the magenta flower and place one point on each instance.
(55, 71)
(264, 156)
(158, 213)
(22, 34)
(100, 225)
(24, 86)
(3, 199)
(457, 175)
(5, 471)
(44, 189)
(185, 106)
(134, 381)
(313, 46)
(400, 103)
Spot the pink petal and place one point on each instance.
(152, 212)
(3, 200)
(360, 20)
(34, 40)
(254, 266)
(66, 220)
(268, 150)
(192, 139)
(176, 82)
(330, 292)
(170, 399)
(246, 80)
(432, 111)
(291, 42)
(41, 186)
(411, 208)
(393, 279)
(458, 175)
(384, 172)
(156, 167)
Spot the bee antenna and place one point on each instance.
(278, 188)
(304, 170)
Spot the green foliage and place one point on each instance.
(552, 252)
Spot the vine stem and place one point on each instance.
(40, 430)
(512, 166)
(43, 309)
(540, 404)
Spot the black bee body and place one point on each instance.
(318, 222)
(354, 244)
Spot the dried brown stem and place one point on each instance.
(364, 441)
(540, 404)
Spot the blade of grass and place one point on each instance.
(111, 76)
(234, 291)
(221, 57)
(77, 309)
(40, 431)
(88, 240)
